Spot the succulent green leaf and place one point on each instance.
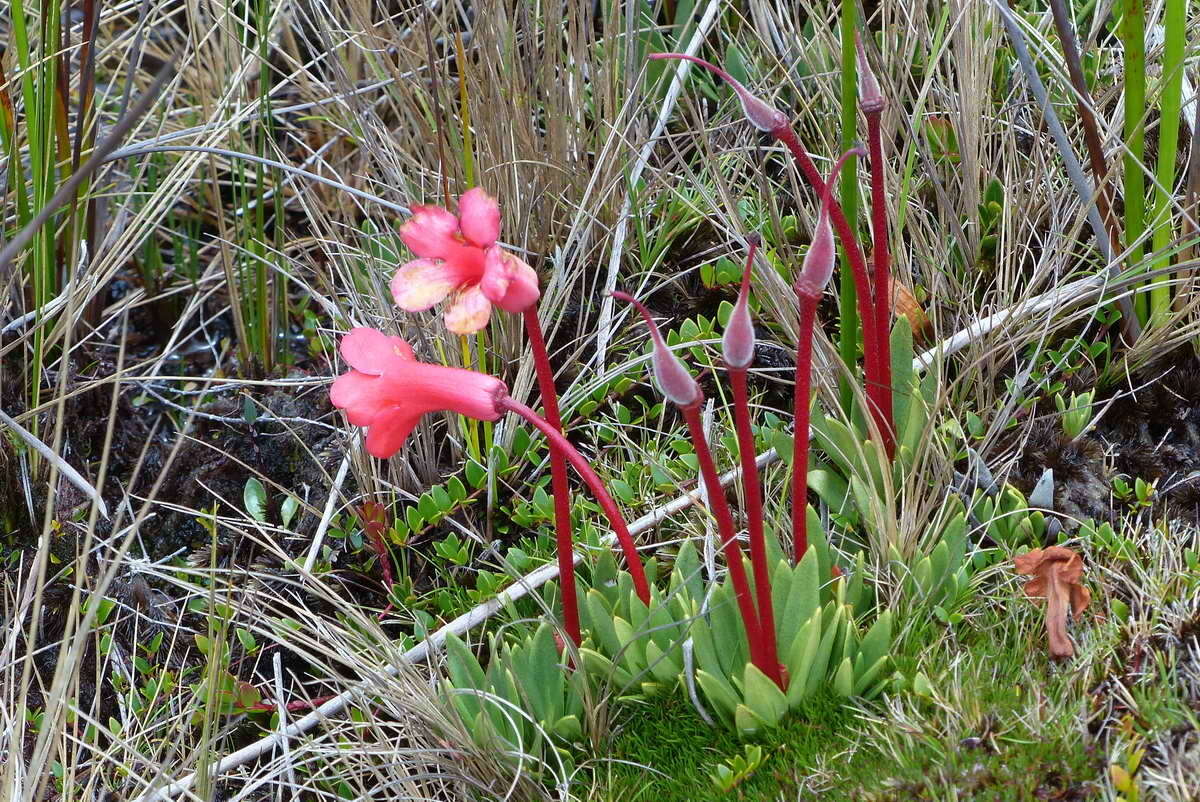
(663, 665)
(837, 442)
(763, 696)
(876, 643)
(428, 507)
(600, 620)
(831, 488)
(749, 724)
(865, 679)
(464, 668)
(912, 425)
(476, 474)
(704, 648)
(939, 560)
(856, 590)
(843, 680)
(547, 672)
(600, 666)
(831, 625)
(288, 510)
(254, 495)
(799, 659)
(632, 654)
(902, 375)
(568, 728)
(687, 572)
(781, 588)
(727, 630)
(923, 576)
(803, 600)
(720, 693)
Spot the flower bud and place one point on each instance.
(670, 375)
(818, 262)
(738, 342)
(870, 99)
(761, 114)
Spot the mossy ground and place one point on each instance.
(998, 721)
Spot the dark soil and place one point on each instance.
(1152, 433)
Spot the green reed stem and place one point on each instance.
(1133, 41)
(847, 294)
(1162, 225)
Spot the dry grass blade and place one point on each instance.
(604, 325)
(1087, 193)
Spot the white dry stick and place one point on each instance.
(63, 467)
(477, 615)
(604, 326)
(1060, 297)
(281, 706)
(710, 540)
(327, 515)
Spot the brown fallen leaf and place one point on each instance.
(1056, 573)
(904, 303)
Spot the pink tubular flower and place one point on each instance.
(387, 390)
(459, 255)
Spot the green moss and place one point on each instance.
(668, 735)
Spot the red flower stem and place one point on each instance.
(808, 315)
(581, 466)
(729, 543)
(883, 286)
(858, 266)
(558, 477)
(754, 514)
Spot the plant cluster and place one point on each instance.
(774, 629)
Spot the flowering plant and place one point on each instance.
(778, 626)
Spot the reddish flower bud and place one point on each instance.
(738, 341)
(870, 99)
(818, 262)
(672, 377)
(761, 115)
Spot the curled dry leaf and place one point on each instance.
(905, 304)
(1056, 573)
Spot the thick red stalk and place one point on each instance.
(808, 315)
(754, 514)
(594, 483)
(767, 663)
(883, 293)
(558, 477)
(858, 267)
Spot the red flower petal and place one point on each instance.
(508, 282)
(468, 312)
(479, 217)
(358, 394)
(431, 233)
(389, 431)
(422, 283)
(372, 351)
